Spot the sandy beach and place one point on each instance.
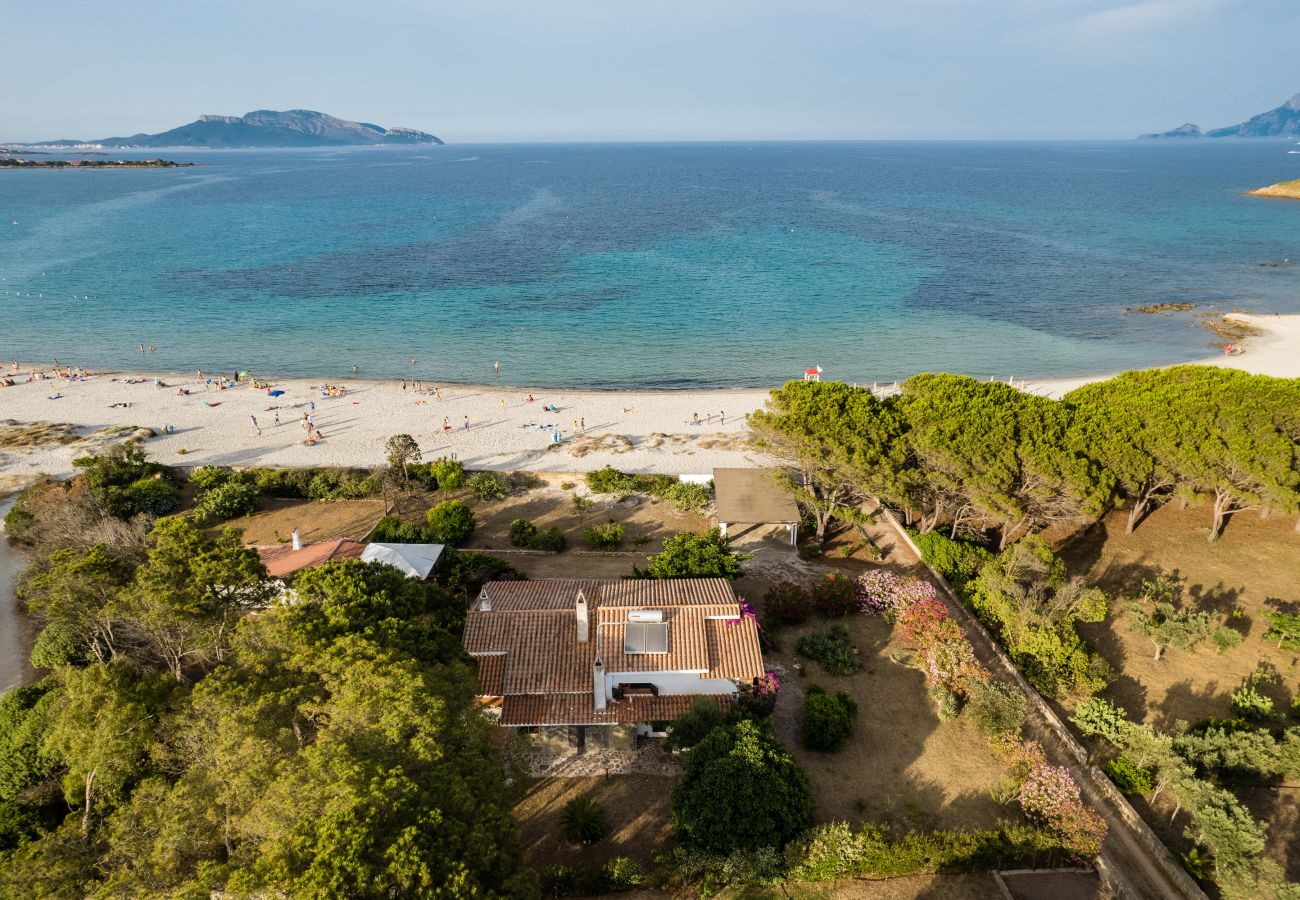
(673, 432)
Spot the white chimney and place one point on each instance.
(297, 541)
(584, 620)
(484, 602)
(598, 686)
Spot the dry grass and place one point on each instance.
(636, 812)
(1253, 567)
(316, 520)
(590, 443)
(16, 435)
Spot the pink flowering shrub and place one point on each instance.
(760, 697)
(1050, 797)
(884, 593)
(952, 666)
(926, 622)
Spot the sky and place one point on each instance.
(611, 70)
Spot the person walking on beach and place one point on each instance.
(277, 418)
(465, 427)
(437, 393)
(446, 425)
(583, 423)
(253, 419)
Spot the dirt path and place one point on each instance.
(1128, 859)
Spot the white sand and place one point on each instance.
(646, 431)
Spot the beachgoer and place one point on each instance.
(253, 419)
(311, 405)
(695, 418)
(403, 384)
(466, 425)
(446, 425)
(575, 424)
(354, 369)
(503, 402)
(722, 417)
(152, 348)
(530, 398)
(277, 417)
(497, 366)
(437, 392)
(583, 423)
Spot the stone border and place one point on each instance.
(1099, 788)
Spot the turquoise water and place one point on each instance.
(647, 265)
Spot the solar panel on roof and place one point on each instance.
(645, 637)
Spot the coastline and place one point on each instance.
(633, 430)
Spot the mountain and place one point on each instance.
(1281, 122)
(267, 128)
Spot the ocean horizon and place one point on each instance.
(716, 264)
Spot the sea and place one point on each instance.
(648, 265)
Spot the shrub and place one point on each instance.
(959, 561)
(227, 500)
(996, 708)
(692, 555)
(947, 704)
(584, 821)
(447, 474)
(1226, 638)
(523, 533)
(609, 481)
(884, 593)
(604, 537)
(464, 572)
(1128, 777)
(393, 530)
(742, 790)
(286, 483)
(835, 596)
(687, 496)
(1284, 628)
(621, 874)
(787, 603)
(450, 523)
(832, 649)
(206, 477)
(112, 476)
(551, 539)
(827, 719)
(151, 495)
(344, 484)
(57, 645)
(489, 486)
(694, 725)
(1249, 703)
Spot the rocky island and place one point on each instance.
(1282, 121)
(266, 128)
(1287, 190)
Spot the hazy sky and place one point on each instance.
(509, 70)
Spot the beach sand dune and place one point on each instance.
(672, 432)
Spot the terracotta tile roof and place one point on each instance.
(577, 709)
(491, 670)
(734, 649)
(559, 593)
(283, 560)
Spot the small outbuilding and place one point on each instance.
(416, 560)
(754, 497)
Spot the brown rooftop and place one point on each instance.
(283, 560)
(752, 496)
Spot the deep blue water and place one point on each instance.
(657, 264)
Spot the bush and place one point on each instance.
(835, 596)
(958, 561)
(742, 790)
(464, 572)
(1129, 778)
(392, 530)
(947, 705)
(489, 486)
(151, 495)
(604, 537)
(691, 555)
(112, 476)
(523, 533)
(207, 477)
(831, 649)
(787, 603)
(827, 719)
(1226, 638)
(344, 484)
(996, 708)
(290, 484)
(58, 645)
(687, 496)
(450, 523)
(1283, 627)
(584, 821)
(227, 500)
(694, 725)
(447, 474)
(1249, 703)
(551, 539)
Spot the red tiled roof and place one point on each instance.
(734, 649)
(577, 709)
(491, 670)
(283, 560)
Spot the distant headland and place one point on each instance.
(265, 128)
(13, 162)
(1287, 190)
(1282, 121)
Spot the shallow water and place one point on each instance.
(647, 265)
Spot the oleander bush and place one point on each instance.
(206, 477)
(835, 596)
(787, 603)
(525, 534)
(996, 708)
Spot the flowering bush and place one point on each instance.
(1049, 796)
(926, 622)
(787, 604)
(835, 596)
(747, 611)
(884, 593)
(952, 665)
(760, 697)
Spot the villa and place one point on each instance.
(580, 663)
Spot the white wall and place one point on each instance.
(670, 683)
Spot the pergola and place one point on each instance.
(754, 497)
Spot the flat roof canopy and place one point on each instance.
(752, 496)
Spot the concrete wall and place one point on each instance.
(670, 683)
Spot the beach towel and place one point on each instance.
(275, 393)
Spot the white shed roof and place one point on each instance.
(416, 560)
